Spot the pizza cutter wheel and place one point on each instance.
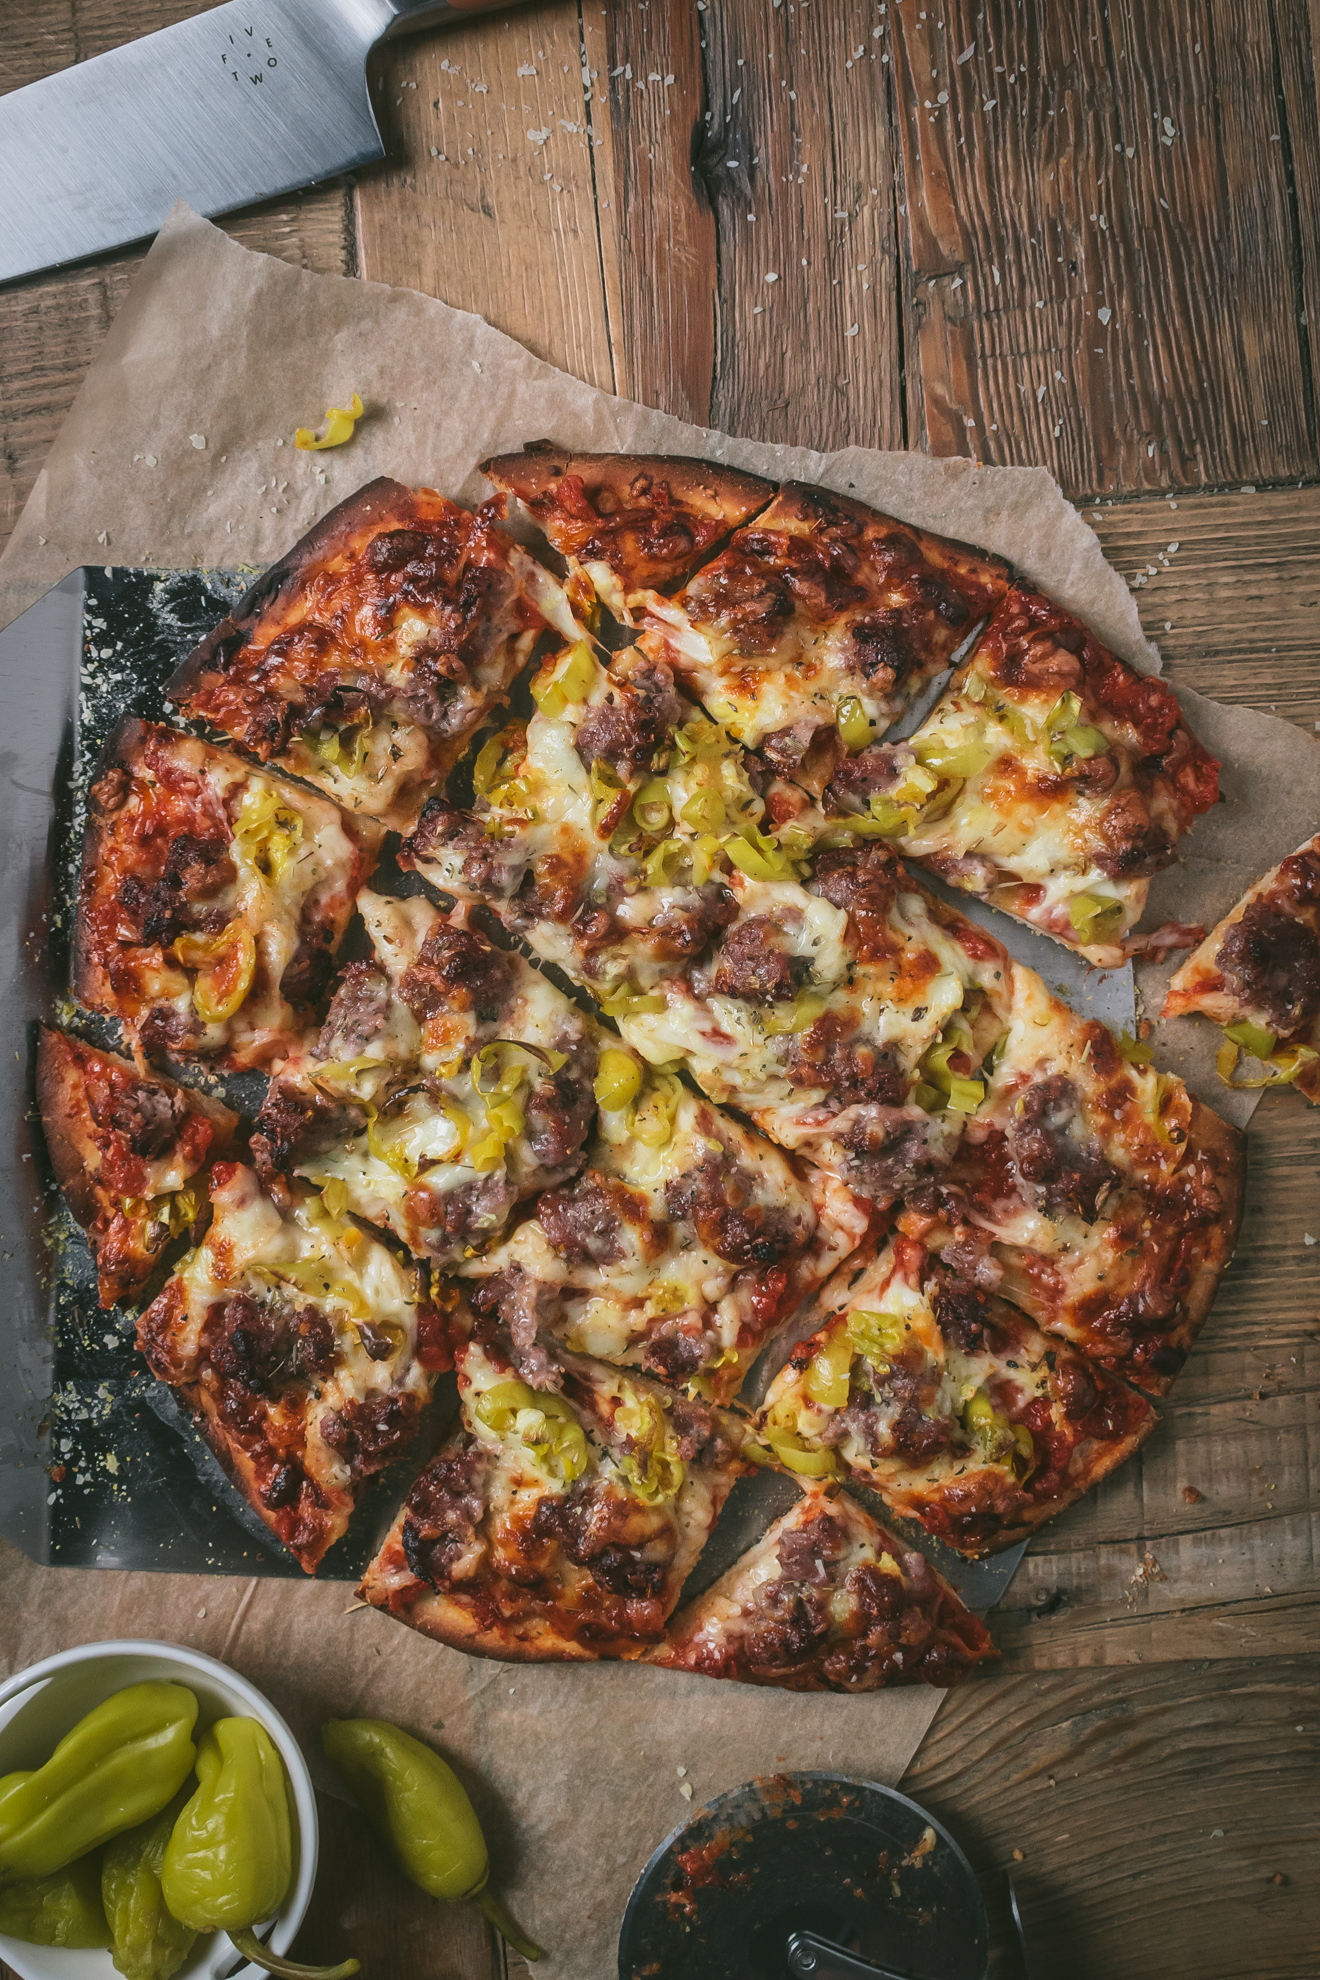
(807, 1877)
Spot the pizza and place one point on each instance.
(557, 1524)
(1050, 779)
(304, 1350)
(827, 1601)
(365, 659)
(1258, 976)
(626, 522)
(213, 898)
(680, 1248)
(449, 1082)
(820, 625)
(129, 1151)
(947, 1400)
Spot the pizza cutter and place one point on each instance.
(807, 1877)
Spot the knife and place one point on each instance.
(240, 103)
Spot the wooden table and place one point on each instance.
(1086, 236)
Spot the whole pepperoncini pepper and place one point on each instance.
(146, 1942)
(229, 1861)
(60, 1910)
(119, 1766)
(419, 1808)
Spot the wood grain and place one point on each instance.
(1102, 240)
(797, 164)
(488, 200)
(1112, 1785)
(657, 230)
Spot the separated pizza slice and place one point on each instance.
(947, 1400)
(629, 521)
(828, 1601)
(1051, 779)
(304, 1349)
(684, 1243)
(450, 1081)
(559, 1523)
(366, 658)
(605, 830)
(1258, 976)
(129, 1151)
(213, 898)
(820, 625)
(1108, 1196)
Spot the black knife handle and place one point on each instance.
(812, 1958)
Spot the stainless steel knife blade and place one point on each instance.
(241, 103)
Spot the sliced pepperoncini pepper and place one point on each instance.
(418, 1807)
(229, 1860)
(60, 1910)
(119, 1766)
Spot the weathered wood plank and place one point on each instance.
(657, 230)
(488, 198)
(797, 163)
(1100, 241)
(1113, 1785)
(1230, 588)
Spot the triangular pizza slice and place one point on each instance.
(129, 1150)
(557, 1524)
(827, 1601)
(304, 1349)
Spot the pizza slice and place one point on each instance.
(827, 1601)
(684, 1243)
(557, 1524)
(1258, 976)
(129, 1151)
(628, 521)
(947, 1400)
(213, 898)
(820, 625)
(1050, 779)
(305, 1351)
(366, 658)
(450, 1081)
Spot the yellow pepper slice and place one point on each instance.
(226, 964)
(339, 424)
(854, 724)
(618, 1079)
(827, 1378)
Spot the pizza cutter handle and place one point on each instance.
(812, 1958)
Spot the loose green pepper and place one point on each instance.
(229, 1860)
(148, 1944)
(119, 1766)
(60, 1910)
(420, 1810)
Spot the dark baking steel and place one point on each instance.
(813, 1862)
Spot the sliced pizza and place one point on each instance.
(682, 1245)
(820, 625)
(1050, 779)
(213, 898)
(827, 1601)
(557, 1524)
(366, 658)
(1108, 1197)
(629, 521)
(305, 1351)
(1258, 976)
(450, 1081)
(948, 1401)
(129, 1151)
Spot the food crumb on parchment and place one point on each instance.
(1192, 1496)
(685, 1789)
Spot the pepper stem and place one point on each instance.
(487, 1902)
(252, 1949)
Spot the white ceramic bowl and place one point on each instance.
(39, 1705)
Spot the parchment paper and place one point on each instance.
(179, 451)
